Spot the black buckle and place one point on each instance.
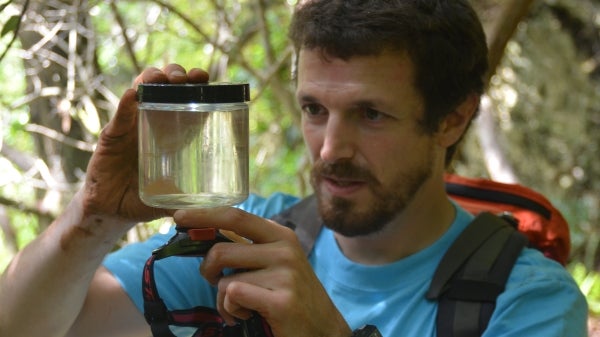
(182, 243)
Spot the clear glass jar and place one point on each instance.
(193, 144)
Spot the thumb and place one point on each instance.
(126, 116)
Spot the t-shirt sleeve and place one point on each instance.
(541, 299)
(179, 283)
(174, 275)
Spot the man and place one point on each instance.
(387, 90)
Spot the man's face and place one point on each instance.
(360, 122)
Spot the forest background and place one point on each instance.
(65, 63)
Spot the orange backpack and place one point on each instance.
(543, 224)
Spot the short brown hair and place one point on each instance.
(443, 38)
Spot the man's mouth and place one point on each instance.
(341, 186)
(342, 182)
(341, 179)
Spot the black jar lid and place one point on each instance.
(212, 93)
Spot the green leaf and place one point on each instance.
(10, 25)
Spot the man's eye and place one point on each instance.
(373, 115)
(313, 109)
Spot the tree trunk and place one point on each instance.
(502, 29)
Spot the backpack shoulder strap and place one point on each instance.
(304, 219)
(472, 274)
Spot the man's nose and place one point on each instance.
(339, 140)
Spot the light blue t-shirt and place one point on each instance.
(541, 299)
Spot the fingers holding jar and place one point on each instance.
(172, 73)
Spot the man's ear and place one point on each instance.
(456, 123)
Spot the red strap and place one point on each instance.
(207, 320)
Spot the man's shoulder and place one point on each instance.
(538, 279)
(533, 267)
(541, 299)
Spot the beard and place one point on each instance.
(345, 217)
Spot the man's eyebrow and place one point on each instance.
(361, 103)
(370, 104)
(307, 98)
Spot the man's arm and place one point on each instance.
(52, 286)
(53, 283)
(106, 301)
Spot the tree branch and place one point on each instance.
(504, 26)
(53, 134)
(16, 31)
(513, 12)
(128, 44)
(22, 160)
(27, 209)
